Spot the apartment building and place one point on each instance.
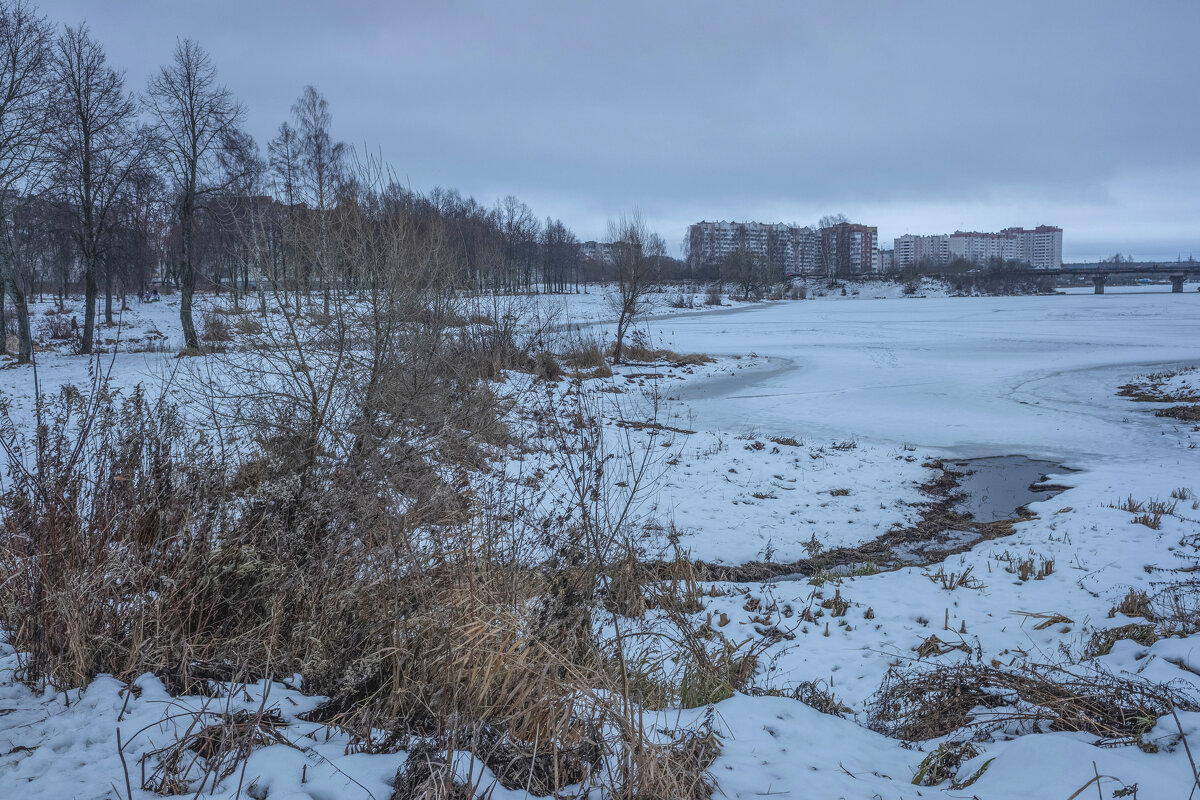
(1040, 247)
(600, 252)
(925, 252)
(848, 248)
(786, 249)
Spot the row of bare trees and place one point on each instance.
(92, 162)
(112, 189)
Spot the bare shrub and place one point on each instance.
(713, 296)
(586, 354)
(683, 301)
(331, 509)
(248, 326)
(59, 327)
(215, 327)
(211, 748)
(1101, 642)
(546, 366)
(921, 702)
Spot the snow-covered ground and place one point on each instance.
(814, 424)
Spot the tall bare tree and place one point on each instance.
(25, 92)
(97, 146)
(196, 120)
(636, 253)
(322, 161)
(284, 160)
(830, 243)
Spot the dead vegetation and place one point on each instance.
(919, 703)
(1149, 388)
(334, 512)
(1182, 413)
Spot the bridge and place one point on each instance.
(1099, 272)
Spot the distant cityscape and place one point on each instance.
(845, 248)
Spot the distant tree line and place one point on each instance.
(111, 191)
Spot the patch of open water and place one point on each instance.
(998, 487)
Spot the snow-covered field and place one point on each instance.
(814, 424)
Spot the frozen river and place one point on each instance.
(971, 376)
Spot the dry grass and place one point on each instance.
(214, 327)
(1149, 388)
(137, 551)
(1183, 413)
(586, 358)
(1136, 603)
(1101, 642)
(638, 352)
(248, 326)
(786, 441)
(921, 703)
(955, 580)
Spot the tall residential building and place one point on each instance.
(848, 248)
(601, 252)
(912, 252)
(786, 249)
(979, 247)
(1040, 247)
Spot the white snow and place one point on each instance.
(904, 379)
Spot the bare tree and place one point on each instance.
(519, 231)
(283, 158)
(97, 146)
(636, 252)
(830, 243)
(196, 121)
(560, 256)
(322, 164)
(141, 229)
(25, 91)
(745, 270)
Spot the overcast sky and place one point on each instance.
(917, 117)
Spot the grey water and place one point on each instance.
(998, 487)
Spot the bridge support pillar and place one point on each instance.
(1099, 281)
(1177, 284)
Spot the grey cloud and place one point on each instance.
(726, 110)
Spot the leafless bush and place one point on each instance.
(546, 366)
(215, 327)
(248, 326)
(1176, 609)
(926, 702)
(713, 295)
(683, 301)
(210, 749)
(59, 327)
